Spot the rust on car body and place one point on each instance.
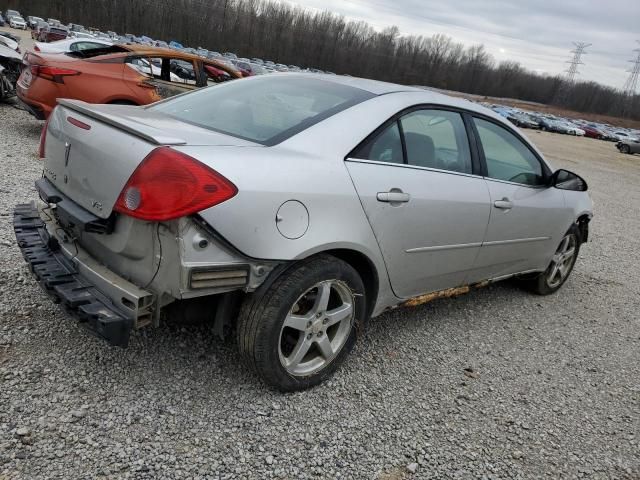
(446, 293)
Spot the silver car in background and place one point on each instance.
(291, 208)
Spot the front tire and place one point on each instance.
(296, 331)
(625, 149)
(560, 268)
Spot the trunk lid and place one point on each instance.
(92, 150)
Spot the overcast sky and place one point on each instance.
(537, 33)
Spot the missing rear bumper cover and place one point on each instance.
(60, 279)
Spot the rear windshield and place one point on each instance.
(265, 110)
(96, 52)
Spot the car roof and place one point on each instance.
(377, 87)
(128, 50)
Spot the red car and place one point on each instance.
(52, 33)
(121, 74)
(592, 132)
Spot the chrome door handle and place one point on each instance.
(504, 204)
(393, 197)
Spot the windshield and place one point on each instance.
(266, 110)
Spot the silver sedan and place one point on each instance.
(290, 209)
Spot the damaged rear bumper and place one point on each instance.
(108, 305)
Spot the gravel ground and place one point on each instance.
(494, 384)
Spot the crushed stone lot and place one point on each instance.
(495, 384)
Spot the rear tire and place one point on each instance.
(297, 330)
(559, 269)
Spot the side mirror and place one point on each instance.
(566, 180)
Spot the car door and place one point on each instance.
(416, 178)
(528, 218)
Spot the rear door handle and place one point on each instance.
(393, 197)
(504, 204)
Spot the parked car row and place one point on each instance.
(551, 123)
(14, 19)
(52, 30)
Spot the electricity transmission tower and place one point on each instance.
(563, 92)
(631, 84)
(572, 71)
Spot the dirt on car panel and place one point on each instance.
(447, 293)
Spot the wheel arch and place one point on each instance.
(583, 227)
(360, 262)
(365, 268)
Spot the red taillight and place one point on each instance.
(36, 48)
(55, 74)
(169, 184)
(43, 138)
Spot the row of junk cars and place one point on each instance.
(627, 140)
(137, 70)
(71, 61)
(52, 30)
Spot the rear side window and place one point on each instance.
(436, 139)
(507, 157)
(385, 147)
(432, 139)
(266, 110)
(183, 71)
(215, 74)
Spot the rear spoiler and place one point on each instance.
(108, 114)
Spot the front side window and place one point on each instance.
(436, 139)
(507, 157)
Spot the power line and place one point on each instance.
(631, 85)
(572, 71)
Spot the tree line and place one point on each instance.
(290, 34)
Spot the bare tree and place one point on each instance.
(321, 39)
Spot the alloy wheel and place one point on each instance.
(316, 327)
(562, 261)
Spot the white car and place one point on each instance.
(71, 45)
(574, 130)
(18, 22)
(74, 34)
(9, 43)
(623, 136)
(147, 68)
